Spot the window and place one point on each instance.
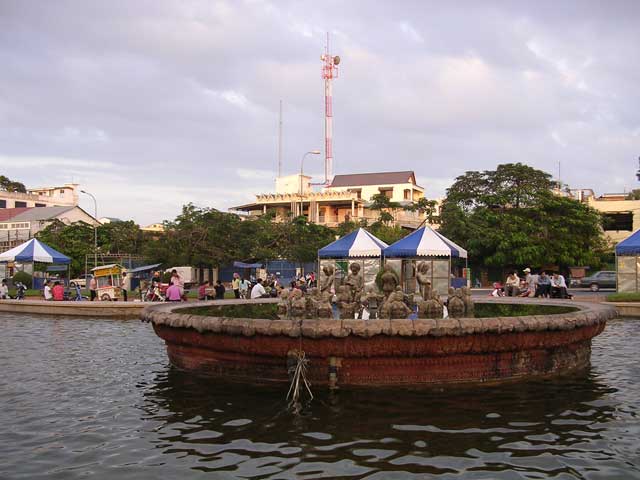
(40, 205)
(3, 204)
(618, 221)
(62, 193)
(4, 226)
(407, 194)
(20, 226)
(388, 192)
(21, 204)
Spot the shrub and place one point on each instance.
(24, 278)
(624, 297)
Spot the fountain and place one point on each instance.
(381, 337)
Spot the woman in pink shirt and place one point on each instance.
(173, 293)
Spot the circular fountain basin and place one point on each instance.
(203, 337)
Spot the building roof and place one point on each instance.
(377, 178)
(41, 213)
(10, 213)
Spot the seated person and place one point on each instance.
(544, 285)
(258, 290)
(512, 285)
(174, 293)
(219, 288)
(559, 287)
(4, 289)
(58, 292)
(202, 291)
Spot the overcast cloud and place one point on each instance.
(152, 104)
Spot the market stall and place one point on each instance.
(430, 253)
(31, 252)
(628, 264)
(359, 247)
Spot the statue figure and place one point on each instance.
(423, 279)
(312, 299)
(326, 282)
(345, 303)
(298, 304)
(469, 307)
(397, 307)
(455, 303)
(324, 309)
(355, 281)
(431, 307)
(284, 304)
(389, 280)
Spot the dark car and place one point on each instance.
(602, 279)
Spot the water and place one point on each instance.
(97, 398)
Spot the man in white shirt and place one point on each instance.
(4, 290)
(258, 290)
(559, 286)
(47, 291)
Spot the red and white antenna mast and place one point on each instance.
(329, 72)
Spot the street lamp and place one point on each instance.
(95, 229)
(311, 152)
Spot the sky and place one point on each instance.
(151, 104)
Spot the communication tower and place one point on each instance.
(329, 72)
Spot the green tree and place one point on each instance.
(385, 206)
(9, 185)
(510, 217)
(75, 241)
(425, 207)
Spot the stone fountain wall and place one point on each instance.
(382, 352)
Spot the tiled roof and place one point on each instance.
(40, 213)
(10, 213)
(378, 178)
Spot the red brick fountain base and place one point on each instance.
(382, 352)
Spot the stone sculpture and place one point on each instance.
(389, 280)
(355, 282)
(298, 304)
(312, 298)
(284, 304)
(431, 307)
(424, 279)
(327, 279)
(455, 304)
(324, 308)
(397, 308)
(345, 303)
(469, 307)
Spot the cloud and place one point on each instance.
(153, 104)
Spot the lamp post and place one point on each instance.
(95, 229)
(311, 152)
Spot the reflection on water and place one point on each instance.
(97, 397)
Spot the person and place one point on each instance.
(202, 291)
(77, 291)
(258, 290)
(155, 280)
(124, 285)
(93, 288)
(544, 285)
(244, 288)
(219, 288)
(235, 285)
(58, 292)
(559, 286)
(4, 289)
(530, 283)
(47, 290)
(512, 284)
(173, 293)
(498, 290)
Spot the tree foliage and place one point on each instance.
(9, 185)
(510, 217)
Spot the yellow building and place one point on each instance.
(347, 198)
(621, 216)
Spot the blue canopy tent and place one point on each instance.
(34, 251)
(360, 247)
(627, 263)
(426, 245)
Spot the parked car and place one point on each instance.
(602, 279)
(82, 280)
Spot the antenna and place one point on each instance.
(329, 72)
(280, 142)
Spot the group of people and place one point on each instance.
(533, 285)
